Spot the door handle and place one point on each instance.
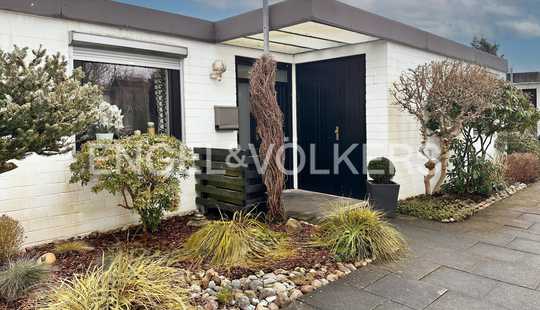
(337, 133)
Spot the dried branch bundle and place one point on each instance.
(269, 117)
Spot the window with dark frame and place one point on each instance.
(143, 94)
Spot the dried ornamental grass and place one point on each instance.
(20, 276)
(72, 247)
(126, 282)
(522, 167)
(357, 232)
(243, 241)
(11, 237)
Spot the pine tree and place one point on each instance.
(41, 106)
(484, 45)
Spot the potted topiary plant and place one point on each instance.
(382, 191)
(110, 119)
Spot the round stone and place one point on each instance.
(307, 289)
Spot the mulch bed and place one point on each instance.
(450, 208)
(172, 234)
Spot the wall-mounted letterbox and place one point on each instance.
(226, 118)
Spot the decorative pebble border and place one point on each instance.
(478, 206)
(262, 291)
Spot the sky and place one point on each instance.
(514, 24)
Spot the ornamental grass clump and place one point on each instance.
(240, 242)
(125, 282)
(357, 232)
(20, 276)
(11, 237)
(72, 247)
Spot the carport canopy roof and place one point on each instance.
(299, 26)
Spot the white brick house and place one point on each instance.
(305, 32)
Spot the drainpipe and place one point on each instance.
(266, 27)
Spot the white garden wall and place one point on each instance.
(38, 193)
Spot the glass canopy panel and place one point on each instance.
(328, 32)
(274, 47)
(309, 41)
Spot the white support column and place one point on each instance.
(266, 27)
(294, 128)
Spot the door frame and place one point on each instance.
(288, 115)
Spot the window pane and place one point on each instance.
(141, 93)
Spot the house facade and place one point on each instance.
(336, 67)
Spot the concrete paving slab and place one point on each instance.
(412, 293)
(535, 228)
(530, 217)
(413, 268)
(340, 296)
(518, 274)
(496, 252)
(462, 282)
(455, 301)
(366, 276)
(525, 245)
(515, 297)
(392, 306)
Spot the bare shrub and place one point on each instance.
(522, 167)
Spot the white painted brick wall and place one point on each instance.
(38, 193)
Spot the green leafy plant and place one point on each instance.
(473, 170)
(72, 247)
(20, 276)
(522, 167)
(145, 169)
(436, 208)
(11, 237)
(124, 282)
(381, 170)
(357, 232)
(472, 174)
(241, 241)
(40, 105)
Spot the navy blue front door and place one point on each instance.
(331, 101)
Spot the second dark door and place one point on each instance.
(331, 100)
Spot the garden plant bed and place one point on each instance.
(272, 285)
(450, 208)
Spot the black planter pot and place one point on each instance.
(383, 197)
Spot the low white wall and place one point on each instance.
(38, 193)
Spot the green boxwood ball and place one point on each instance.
(381, 170)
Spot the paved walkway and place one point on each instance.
(491, 261)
